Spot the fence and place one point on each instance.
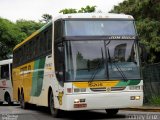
(151, 77)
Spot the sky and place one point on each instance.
(34, 9)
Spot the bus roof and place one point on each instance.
(4, 62)
(94, 15)
(78, 15)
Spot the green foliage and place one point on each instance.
(147, 15)
(87, 9)
(155, 100)
(67, 11)
(13, 33)
(28, 26)
(10, 35)
(46, 18)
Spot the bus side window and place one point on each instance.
(5, 72)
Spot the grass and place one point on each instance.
(154, 100)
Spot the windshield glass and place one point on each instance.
(124, 59)
(101, 59)
(83, 58)
(99, 28)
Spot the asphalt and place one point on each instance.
(144, 108)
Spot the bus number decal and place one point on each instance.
(95, 84)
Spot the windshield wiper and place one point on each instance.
(117, 66)
(97, 68)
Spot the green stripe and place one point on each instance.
(37, 78)
(45, 26)
(129, 82)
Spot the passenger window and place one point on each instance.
(4, 72)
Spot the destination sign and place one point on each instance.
(111, 37)
(120, 37)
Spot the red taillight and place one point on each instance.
(69, 90)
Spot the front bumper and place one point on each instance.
(102, 101)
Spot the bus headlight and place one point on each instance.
(134, 87)
(135, 98)
(77, 90)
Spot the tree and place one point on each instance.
(13, 33)
(28, 26)
(10, 35)
(46, 18)
(147, 15)
(67, 11)
(87, 9)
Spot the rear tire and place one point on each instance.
(8, 98)
(54, 112)
(23, 104)
(112, 112)
(1, 103)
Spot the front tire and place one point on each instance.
(54, 112)
(112, 112)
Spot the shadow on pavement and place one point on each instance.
(78, 115)
(6, 104)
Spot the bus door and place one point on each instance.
(59, 70)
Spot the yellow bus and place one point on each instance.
(80, 62)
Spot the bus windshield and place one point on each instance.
(99, 27)
(102, 59)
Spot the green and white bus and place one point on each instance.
(6, 90)
(80, 62)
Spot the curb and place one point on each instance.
(144, 109)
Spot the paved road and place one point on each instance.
(42, 113)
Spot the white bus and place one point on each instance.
(6, 90)
(80, 62)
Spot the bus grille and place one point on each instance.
(104, 89)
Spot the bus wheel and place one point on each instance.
(23, 104)
(54, 112)
(1, 103)
(112, 112)
(8, 99)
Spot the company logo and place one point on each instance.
(108, 89)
